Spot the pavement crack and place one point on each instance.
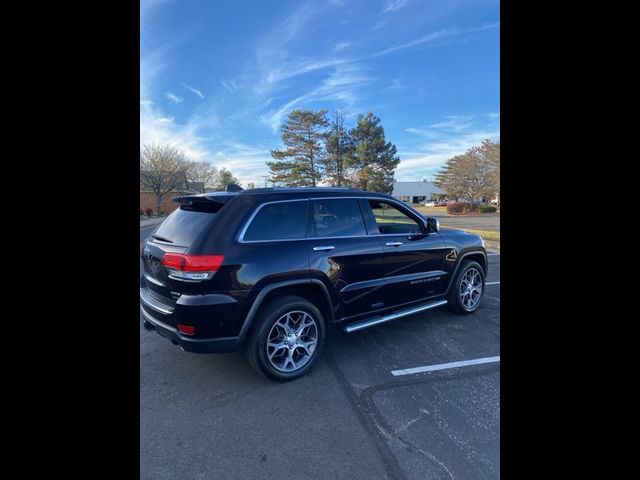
(378, 435)
(387, 433)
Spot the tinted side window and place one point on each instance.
(337, 218)
(391, 220)
(279, 221)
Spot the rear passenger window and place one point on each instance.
(278, 221)
(337, 218)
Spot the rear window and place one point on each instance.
(278, 221)
(183, 226)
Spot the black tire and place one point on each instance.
(455, 303)
(256, 343)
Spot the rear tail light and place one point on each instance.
(186, 329)
(191, 268)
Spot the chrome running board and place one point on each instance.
(392, 316)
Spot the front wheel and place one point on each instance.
(286, 339)
(467, 289)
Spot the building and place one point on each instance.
(148, 199)
(416, 192)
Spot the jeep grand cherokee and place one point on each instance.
(271, 269)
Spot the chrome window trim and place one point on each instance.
(354, 197)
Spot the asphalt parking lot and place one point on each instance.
(214, 417)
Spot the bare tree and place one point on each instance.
(162, 169)
(491, 150)
(473, 174)
(202, 172)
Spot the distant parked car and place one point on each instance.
(428, 203)
(441, 203)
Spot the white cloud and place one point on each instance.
(340, 46)
(454, 123)
(452, 136)
(194, 90)
(247, 162)
(165, 120)
(394, 5)
(396, 86)
(341, 85)
(173, 98)
(290, 68)
(231, 86)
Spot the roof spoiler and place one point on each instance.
(186, 200)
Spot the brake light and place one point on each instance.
(191, 267)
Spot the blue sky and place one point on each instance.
(217, 78)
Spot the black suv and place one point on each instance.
(273, 268)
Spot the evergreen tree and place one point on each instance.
(338, 160)
(224, 178)
(374, 158)
(298, 164)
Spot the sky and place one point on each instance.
(218, 78)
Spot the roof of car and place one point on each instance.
(302, 190)
(297, 191)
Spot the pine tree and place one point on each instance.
(303, 135)
(338, 160)
(374, 158)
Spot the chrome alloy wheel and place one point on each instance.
(292, 341)
(471, 288)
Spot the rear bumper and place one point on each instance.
(194, 345)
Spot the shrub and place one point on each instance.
(149, 212)
(458, 207)
(487, 209)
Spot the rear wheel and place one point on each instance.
(286, 339)
(466, 292)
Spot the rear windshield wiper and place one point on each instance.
(162, 239)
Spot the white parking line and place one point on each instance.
(444, 366)
(492, 283)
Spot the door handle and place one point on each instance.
(323, 248)
(394, 244)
